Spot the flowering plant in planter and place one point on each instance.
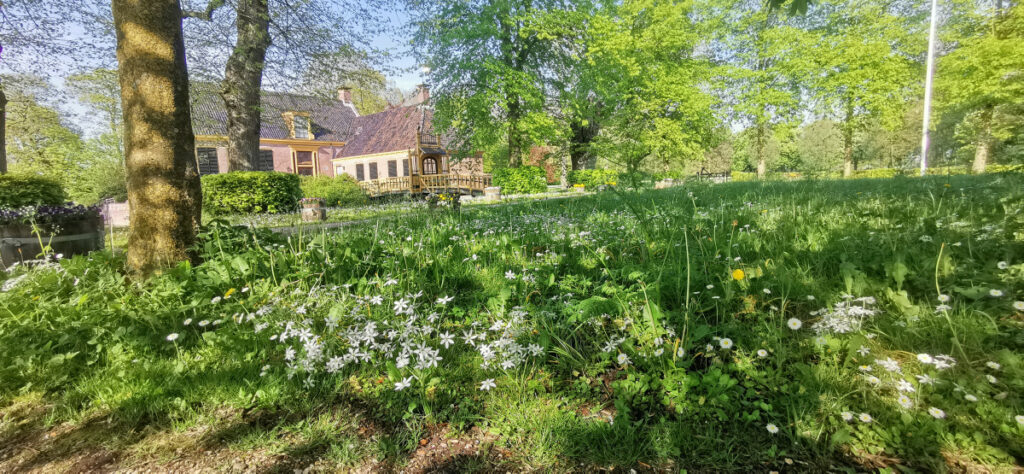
(50, 218)
(311, 202)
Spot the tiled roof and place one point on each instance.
(391, 130)
(330, 119)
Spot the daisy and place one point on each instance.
(172, 336)
(970, 398)
(709, 348)
(1020, 419)
(772, 428)
(1003, 265)
(810, 297)
(943, 298)
(873, 380)
(1018, 305)
(487, 384)
(865, 418)
(993, 365)
(991, 379)
(847, 415)
(680, 352)
(767, 291)
(622, 359)
(905, 401)
(865, 368)
(404, 384)
(215, 300)
(725, 343)
(936, 413)
(995, 293)
(188, 321)
(794, 323)
(925, 358)
(762, 353)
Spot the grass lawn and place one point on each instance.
(808, 326)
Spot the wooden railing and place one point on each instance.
(433, 183)
(427, 139)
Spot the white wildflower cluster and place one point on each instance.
(845, 316)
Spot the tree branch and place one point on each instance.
(205, 15)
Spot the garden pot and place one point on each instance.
(493, 192)
(314, 214)
(18, 243)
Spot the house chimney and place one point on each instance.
(422, 94)
(345, 95)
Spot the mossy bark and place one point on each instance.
(243, 77)
(984, 141)
(164, 196)
(3, 131)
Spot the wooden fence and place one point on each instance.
(434, 183)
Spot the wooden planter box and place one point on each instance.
(18, 243)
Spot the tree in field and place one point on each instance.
(163, 177)
(650, 75)
(279, 37)
(761, 59)
(100, 166)
(983, 79)
(867, 56)
(38, 141)
(487, 69)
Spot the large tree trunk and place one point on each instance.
(3, 131)
(164, 196)
(579, 144)
(515, 154)
(243, 78)
(762, 164)
(984, 141)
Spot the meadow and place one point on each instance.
(801, 326)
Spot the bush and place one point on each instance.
(245, 192)
(20, 191)
(591, 179)
(521, 180)
(342, 190)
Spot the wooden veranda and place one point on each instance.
(427, 184)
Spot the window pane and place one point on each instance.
(301, 124)
(304, 158)
(429, 166)
(266, 161)
(207, 161)
(392, 168)
(359, 172)
(405, 167)
(373, 170)
(306, 171)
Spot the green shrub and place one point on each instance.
(342, 190)
(743, 176)
(591, 179)
(244, 192)
(20, 191)
(521, 180)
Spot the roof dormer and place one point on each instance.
(299, 125)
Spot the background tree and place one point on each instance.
(649, 72)
(868, 55)
(983, 79)
(487, 66)
(101, 162)
(163, 177)
(39, 140)
(274, 38)
(761, 58)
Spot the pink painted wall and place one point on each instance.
(283, 158)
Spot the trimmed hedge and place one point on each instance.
(521, 180)
(342, 190)
(591, 179)
(248, 192)
(19, 191)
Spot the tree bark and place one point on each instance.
(243, 79)
(762, 164)
(984, 141)
(515, 155)
(164, 196)
(848, 142)
(3, 131)
(581, 135)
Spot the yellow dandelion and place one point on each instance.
(738, 274)
(229, 293)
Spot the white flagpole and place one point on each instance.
(928, 88)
